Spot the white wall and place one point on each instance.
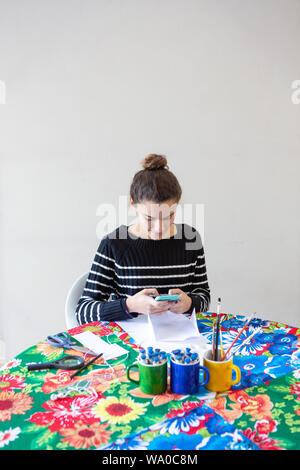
(92, 87)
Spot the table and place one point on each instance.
(103, 410)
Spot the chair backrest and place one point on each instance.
(73, 296)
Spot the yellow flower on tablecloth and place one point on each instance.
(12, 403)
(119, 410)
(84, 436)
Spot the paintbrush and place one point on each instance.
(217, 329)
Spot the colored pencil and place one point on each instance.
(237, 337)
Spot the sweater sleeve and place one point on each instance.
(200, 293)
(93, 304)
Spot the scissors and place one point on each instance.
(62, 340)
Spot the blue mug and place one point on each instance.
(185, 378)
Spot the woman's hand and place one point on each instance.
(181, 305)
(142, 302)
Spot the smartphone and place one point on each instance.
(167, 297)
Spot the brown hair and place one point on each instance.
(155, 182)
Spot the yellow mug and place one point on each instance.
(220, 373)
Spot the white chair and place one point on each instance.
(72, 300)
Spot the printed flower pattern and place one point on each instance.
(12, 403)
(119, 410)
(9, 435)
(259, 407)
(101, 409)
(9, 382)
(85, 436)
(65, 412)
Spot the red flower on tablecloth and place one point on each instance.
(219, 406)
(258, 406)
(262, 441)
(264, 427)
(183, 408)
(8, 382)
(84, 436)
(65, 412)
(12, 403)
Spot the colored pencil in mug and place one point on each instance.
(238, 335)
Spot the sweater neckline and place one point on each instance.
(151, 240)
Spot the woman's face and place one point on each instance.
(156, 220)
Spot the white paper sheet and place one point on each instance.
(142, 332)
(173, 327)
(97, 345)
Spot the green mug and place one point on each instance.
(152, 377)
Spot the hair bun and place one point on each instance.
(155, 162)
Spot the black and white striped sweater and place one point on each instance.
(124, 264)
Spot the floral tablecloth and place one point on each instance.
(101, 409)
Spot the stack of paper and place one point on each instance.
(167, 331)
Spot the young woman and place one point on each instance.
(135, 263)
